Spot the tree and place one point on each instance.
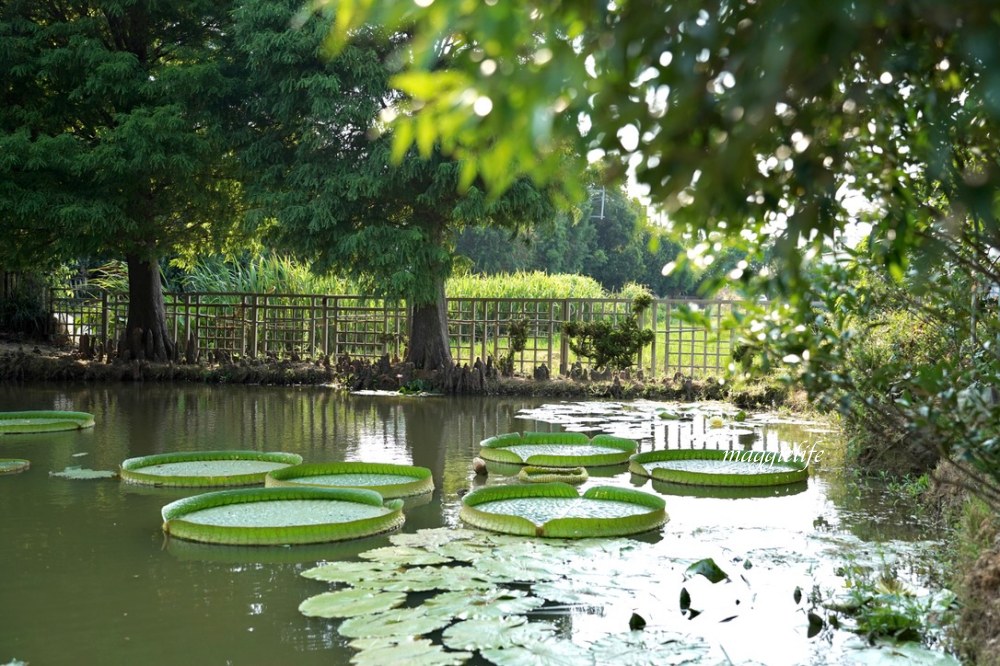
(111, 119)
(338, 198)
(746, 120)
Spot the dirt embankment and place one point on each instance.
(28, 361)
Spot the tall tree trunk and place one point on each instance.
(428, 348)
(146, 335)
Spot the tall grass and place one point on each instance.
(266, 274)
(535, 284)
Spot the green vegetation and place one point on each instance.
(612, 345)
(113, 131)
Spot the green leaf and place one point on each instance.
(348, 603)
(484, 633)
(650, 648)
(348, 572)
(707, 568)
(404, 555)
(412, 653)
(554, 652)
(482, 603)
(83, 473)
(400, 624)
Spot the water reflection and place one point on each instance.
(94, 569)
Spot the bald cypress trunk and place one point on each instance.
(428, 348)
(146, 336)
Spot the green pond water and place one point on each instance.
(87, 576)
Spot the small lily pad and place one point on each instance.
(432, 538)
(404, 555)
(412, 653)
(401, 624)
(427, 579)
(351, 602)
(649, 648)
(554, 652)
(83, 473)
(707, 568)
(347, 572)
(496, 632)
(496, 602)
(13, 465)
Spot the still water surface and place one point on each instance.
(87, 577)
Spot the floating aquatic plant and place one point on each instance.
(556, 510)
(557, 449)
(84, 473)
(202, 469)
(43, 421)
(533, 474)
(13, 465)
(710, 467)
(389, 480)
(271, 516)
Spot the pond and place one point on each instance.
(87, 576)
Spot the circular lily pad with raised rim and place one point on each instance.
(13, 465)
(274, 516)
(556, 510)
(12, 423)
(573, 475)
(203, 469)
(700, 467)
(386, 479)
(557, 449)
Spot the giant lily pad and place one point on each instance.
(13, 465)
(710, 467)
(556, 449)
(271, 516)
(390, 481)
(573, 475)
(43, 421)
(555, 510)
(205, 468)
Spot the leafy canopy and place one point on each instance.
(747, 121)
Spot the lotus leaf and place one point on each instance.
(412, 653)
(554, 652)
(496, 632)
(399, 624)
(349, 603)
(481, 603)
(43, 421)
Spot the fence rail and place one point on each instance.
(254, 325)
